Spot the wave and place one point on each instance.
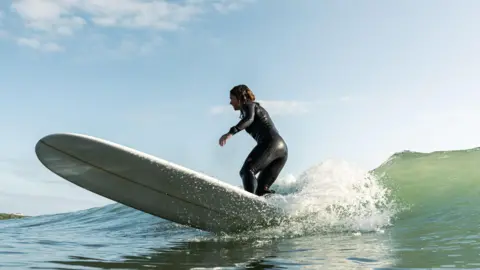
(332, 196)
(429, 183)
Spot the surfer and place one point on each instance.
(270, 154)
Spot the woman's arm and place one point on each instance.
(249, 115)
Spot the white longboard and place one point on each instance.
(153, 185)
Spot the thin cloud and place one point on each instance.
(55, 19)
(63, 16)
(225, 6)
(291, 107)
(274, 107)
(130, 46)
(38, 45)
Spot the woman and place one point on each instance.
(270, 154)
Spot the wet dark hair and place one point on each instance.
(242, 93)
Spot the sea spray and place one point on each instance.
(333, 196)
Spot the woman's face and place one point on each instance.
(234, 102)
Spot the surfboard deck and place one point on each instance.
(153, 185)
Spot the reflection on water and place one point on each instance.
(450, 244)
(325, 251)
(408, 244)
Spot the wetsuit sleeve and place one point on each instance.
(249, 115)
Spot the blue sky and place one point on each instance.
(347, 80)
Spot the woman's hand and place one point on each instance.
(224, 138)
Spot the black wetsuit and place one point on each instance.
(269, 155)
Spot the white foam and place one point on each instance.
(333, 196)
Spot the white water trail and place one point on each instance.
(333, 196)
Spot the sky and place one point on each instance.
(347, 80)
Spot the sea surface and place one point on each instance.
(416, 210)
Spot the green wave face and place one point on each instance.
(429, 182)
(442, 193)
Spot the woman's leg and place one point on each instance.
(269, 175)
(258, 158)
(270, 158)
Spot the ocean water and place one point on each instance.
(416, 210)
